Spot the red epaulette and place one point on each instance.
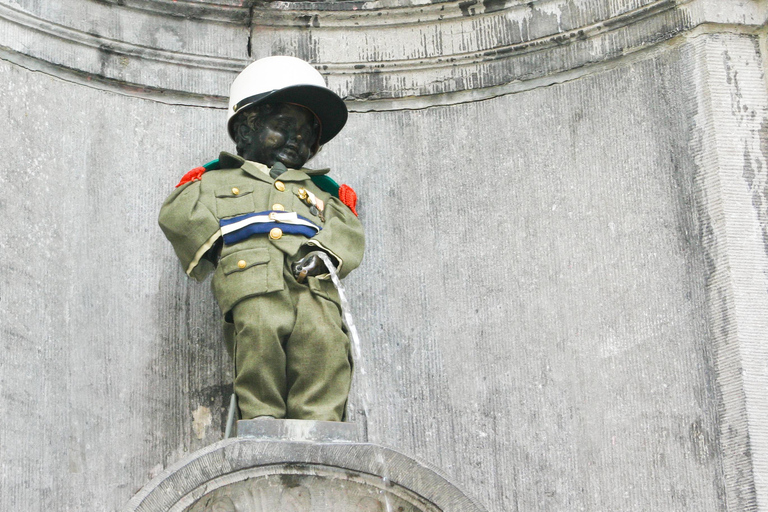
(348, 197)
(193, 175)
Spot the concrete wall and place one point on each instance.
(564, 296)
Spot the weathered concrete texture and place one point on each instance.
(248, 475)
(563, 302)
(535, 283)
(413, 52)
(109, 373)
(731, 149)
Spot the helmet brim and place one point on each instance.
(328, 107)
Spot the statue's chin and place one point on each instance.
(289, 158)
(290, 161)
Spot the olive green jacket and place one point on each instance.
(254, 266)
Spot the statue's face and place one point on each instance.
(280, 133)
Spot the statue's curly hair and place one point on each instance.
(253, 118)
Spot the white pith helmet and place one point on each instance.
(282, 79)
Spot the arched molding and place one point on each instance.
(378, 55)
(327, 469)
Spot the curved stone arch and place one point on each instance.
(231, 11)
(395, 53)
(236, 469)
(302, 487)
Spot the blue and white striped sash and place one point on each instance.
(236, 229)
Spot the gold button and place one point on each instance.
(241, 263)
(279, 185)
(275, 233)
(278, 207)
(235, 190)
(302, 193)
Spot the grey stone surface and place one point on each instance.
(563, 302)
(733, 215)
(298, 430)
(248, 475)
(394, 53)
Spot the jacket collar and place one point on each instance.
(257, 170)
(229, 161)
(293, 175)
(261, 171)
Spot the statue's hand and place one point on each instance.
(309, 265)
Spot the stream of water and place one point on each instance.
(363, 381)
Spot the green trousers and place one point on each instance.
(291, 353)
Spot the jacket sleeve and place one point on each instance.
(191, 228)
(342, 236)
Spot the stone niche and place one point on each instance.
(301, 466)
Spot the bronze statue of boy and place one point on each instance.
(258, 220)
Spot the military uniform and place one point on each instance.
(290, 349)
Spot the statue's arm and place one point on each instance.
(191, 228)
(342, 236)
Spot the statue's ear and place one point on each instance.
(243, 132)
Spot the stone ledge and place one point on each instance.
(298, 430)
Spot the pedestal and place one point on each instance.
(301, 466)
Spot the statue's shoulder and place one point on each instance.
(322, 181)
(327, 184)
(225, 161)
